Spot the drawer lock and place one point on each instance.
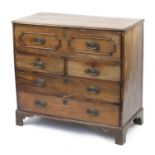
(65, 102)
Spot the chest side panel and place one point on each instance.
(132, 72)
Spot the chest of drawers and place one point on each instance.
(80, 69)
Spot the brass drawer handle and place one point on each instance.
(92, 112)
(92, 45)
(40, 103)
(38, 41)
(39, 64)
(93, 89)
(92, 71)
(39, 82)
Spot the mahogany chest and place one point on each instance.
(80, 69)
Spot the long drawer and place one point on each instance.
(80, 88)
(69, 108)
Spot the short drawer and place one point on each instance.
(43, 64)
(84, 89)
(104, 43)
(67, 108)
(37, 39)
(94, 70)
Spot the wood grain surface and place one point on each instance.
(132, 72)
(51, 64)
(106, 72)
(74, 109)
(80, 88)
(79, 21)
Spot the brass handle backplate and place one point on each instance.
(39, 64)
(39, 82)
(92, 45)
(92, 112)
(92, 71)
(93, 89)
(39, 41)
(40, 103)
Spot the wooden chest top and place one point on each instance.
(79, 21)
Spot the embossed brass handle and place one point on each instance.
(92, 112)
(92, 71)
(40, 103)
(39, 82)
(39, 64)
(93, 89)
(39, 41)
(92, 45)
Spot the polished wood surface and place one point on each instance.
(66, 41)
(78, 21)
(80, 69)
(74, 109)
(106, 43)
(132, 72)
(106, 72)
(50, 64)
(80, 88)
(25, 37)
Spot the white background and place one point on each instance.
(46, 137)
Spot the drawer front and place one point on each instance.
(73, 109)
(43, 64)
(94, 42)
(46, 40)
(94, 70)
(74, 87)
(37, 39)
